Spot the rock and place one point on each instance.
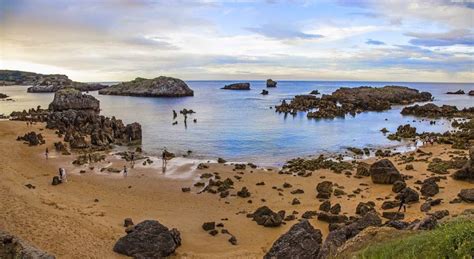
(233, 240)
(157, 87)
(429, 187)
(466, 173)
(56, 180)
(324, 190)
(393, 215)
(386, 205)
(264, 92)
(332, 218)
(363, 169)
(403, 131)
(14, 247)
(127, 222)
(53, 83)
(457, 92)
(410, 195)
(185, 189)
(295, 201)
(471, 93)
(433, 111)
(397, 224)
(428, 223)
(409, 167)
(384, 130)
(336, 209)
(339, 236)
(301, 241)
(309, 214)
(398, 186)
(221, 160)
(271, 83)
(237, 86)
(148, 239)
(32, 138)
(467, 195)
(439, 214)
(243, 193)
(266, 217)
(325, 206)
(209, 226)
(297, 191)
(384, 172)
(314, 92)
(365, 207)
(71, 99)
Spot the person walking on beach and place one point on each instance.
(125, 172)
(132, 160)
(164, 160)
(402, 204)
(62, 175)
(46, 153)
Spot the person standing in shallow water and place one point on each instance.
(164, 161)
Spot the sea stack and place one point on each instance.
(237, 86)
(271, 83)
(157, 87)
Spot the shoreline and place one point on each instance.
(58, 218)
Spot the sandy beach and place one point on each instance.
(83, 218)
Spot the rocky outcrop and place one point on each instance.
(467, 195)
(32, 138)
(466, 173)
(158, 87)
(457, 92)
(271, 83)
(384, 172)
(353, 100)
(71, 99)
(431, 110)
(301, 241)
(237, 86)
(3, 96)
(429, 187)
(471, 93)
(324, 190)
(266, 217)
(339, 236)
(403, 131)
(13, 247)
(148, 239)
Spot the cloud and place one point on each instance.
(279, 31)
(374, 42)
(454, 37)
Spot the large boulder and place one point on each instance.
(13, 247)
(409, 195)
(324, 190)
(429, 187)
(466, 173)
(301, 241)
(266, 217)
(237, 86)
(158, 87)
(271, 83)
(71, 99)
(384, 172)
(467, 195)
(148, 239)
(339, 236)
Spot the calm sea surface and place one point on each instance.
(239, 125)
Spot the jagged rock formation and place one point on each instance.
(466, 173)
(457, 92)
(271, 83)
(237, 86)
(353, 100)
(148, 239)
(301, 241)
(433, 111)
(384, 172)
(13, 247)
(157, 87)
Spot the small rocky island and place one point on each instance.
(157, 87)
(44, 83)
(271, 83)
(237, 86)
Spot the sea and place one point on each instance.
(243, 125)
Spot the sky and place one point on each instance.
(118, 40)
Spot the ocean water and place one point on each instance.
(240, 126)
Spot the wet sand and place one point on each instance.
(66, 221)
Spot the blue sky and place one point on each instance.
(93, 40)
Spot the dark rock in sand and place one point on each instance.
(363, 169)
(221, 160)
(338, 237)
(237, 86)
(386, 205)
(398, 186)
(157, 87)
(467, 195)
(466, 173)
(271, 83)
(32, 138)
(393, 215)
(439, 214)
(301, 241)
(209, 226)
(365, 207)
(384, 172)
(324, 190)
(266, 217)
(12, 247)
(429, 187)
(127, 222)
(56, 180)
(409, 194)
(325, 206)
(332, 218)
(336, 209)
(148, 239)
(243, 193)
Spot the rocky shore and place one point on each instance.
(352, 101)
(157, 87)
